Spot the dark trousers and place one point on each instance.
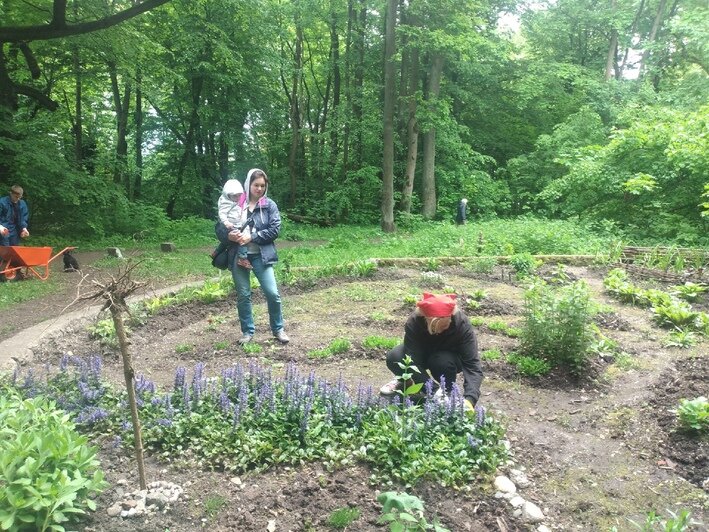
(438, 363)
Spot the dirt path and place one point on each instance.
(595, 452)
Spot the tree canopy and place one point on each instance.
(118, 114)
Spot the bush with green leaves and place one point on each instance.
(247, 419)
(693, 414)
(48, 472)
(558, 325)
(524, 264)
(689, 291)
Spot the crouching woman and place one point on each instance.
(440, 340)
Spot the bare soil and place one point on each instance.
(599, 452)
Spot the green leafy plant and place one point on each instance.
(105, 332)
(680, 338)
(411, 299)
(481, 265)
(491, 354)
(337, 346)
(676, 523)
(529, 366)
(183, 348)
(497, 325)
(558, 325)
(48, 472)
(405, 512)
(689, 291)
(252, 348)
(524, 264)
(380, 342)
(478, 294)
(364, 268)
(432, 265)
(214, 321)
(477, 321)
(213, 505)
(221, 345)
(693, 414)
(343, 517)
(676, 314)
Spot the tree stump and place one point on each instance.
(167, 247)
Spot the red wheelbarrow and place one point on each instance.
(15, 258)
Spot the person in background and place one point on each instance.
(14, 217)
(439, 339)
(460, 213)
(230, 215)
(264, 213)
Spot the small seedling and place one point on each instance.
(343, 517)
(380, 342)
(221, 346)
(252, 348)
(693, 414)
(491, 354)
(183, 348)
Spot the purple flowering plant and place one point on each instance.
(247, 418)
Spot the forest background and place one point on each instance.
(121, 116)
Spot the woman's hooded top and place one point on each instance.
(266, 221)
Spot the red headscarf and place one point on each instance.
(433, 306)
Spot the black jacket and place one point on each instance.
(459, 338)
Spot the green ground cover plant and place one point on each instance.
(380, 342)
(403, 512)
(245, 419)
(343, 517)
(48, 472)
(337, 346)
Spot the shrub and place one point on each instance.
(558, 325)
(524, 264)
(48, 470)
(693, 415)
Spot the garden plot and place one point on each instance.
(599, 449)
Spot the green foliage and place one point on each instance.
(558, 325)
(105, 331)
(247, 420)
(693, 414)
(681, 338)
(481, 265)
(404, 512)
(184, 348)
(491, 354)
(213, 504)
(675, 314)
(343, 517)
(477, 321)
(380, 342)
(337, 346)
(676, 523)
(524, 264)
(689, 291)
(49, 472)
(529, 366)
(252, 348)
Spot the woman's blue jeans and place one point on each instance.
(267, 279)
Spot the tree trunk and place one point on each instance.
(359, 84)
(138, 179)
(611, 58)
(653, 35)
(389, 93)
(295, 113)
(129, 375)
(429, 143)
(122, 110)
(412, 132)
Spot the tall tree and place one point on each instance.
(388, 115)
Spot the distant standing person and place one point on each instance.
(460, 214)
(14, 217)
(261, 251)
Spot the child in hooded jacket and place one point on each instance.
(231, 215)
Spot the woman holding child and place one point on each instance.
(260, 223)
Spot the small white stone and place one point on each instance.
(114, 510)
(531, 513)
(121, 482)
(271, 525)
(517, 501)
(505, 485)
(543, 528)
(236, 480)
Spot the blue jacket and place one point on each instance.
(7, 218)
(264, 231)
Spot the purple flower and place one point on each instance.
(480, 415)
(163, 422)
(91, 415)
(474, 443)
(179, 379)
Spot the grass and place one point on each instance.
(193, 238)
